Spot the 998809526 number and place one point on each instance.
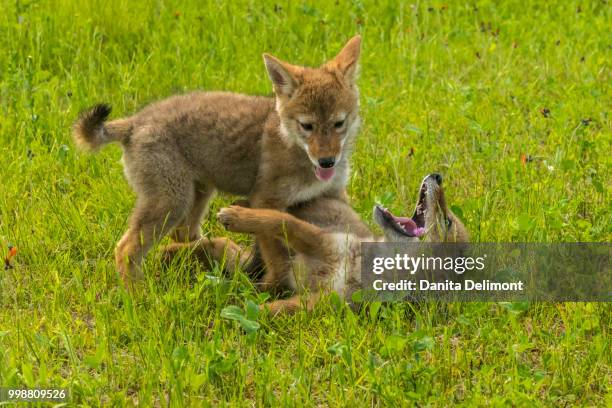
(33, 394)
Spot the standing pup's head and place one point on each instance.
(319, 107)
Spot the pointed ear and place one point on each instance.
(282, 74)
(347, 60)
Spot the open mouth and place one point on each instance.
(410, 227)
(403, 225)
(324, 174)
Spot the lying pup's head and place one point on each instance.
(432, 220)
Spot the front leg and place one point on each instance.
(275, 255)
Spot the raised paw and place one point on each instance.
(236, 218)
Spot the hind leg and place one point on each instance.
(274, 231)
(207, 251)
(302, 236)
(150, 221)
(189, 229)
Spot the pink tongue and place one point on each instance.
(324, 174)
(409, 225)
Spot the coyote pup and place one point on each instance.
(325, 235)
(276, 151)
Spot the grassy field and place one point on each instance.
(509, 101)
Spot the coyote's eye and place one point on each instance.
(306, 126)
(339, 124)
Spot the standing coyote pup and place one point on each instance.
(326, 236)
(276, 151)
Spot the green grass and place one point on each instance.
(461, 85)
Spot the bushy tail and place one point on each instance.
(90, 131)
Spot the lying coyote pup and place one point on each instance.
(276, 151)
(326, 234)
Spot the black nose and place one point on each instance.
(437, 177)
(327, 162)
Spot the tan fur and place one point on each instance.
(179, 151)
(326, 234)
(207, 251)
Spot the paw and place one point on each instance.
(279, 308)
(270, 308)
(233, 218)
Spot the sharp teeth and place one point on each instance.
(419, 209)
